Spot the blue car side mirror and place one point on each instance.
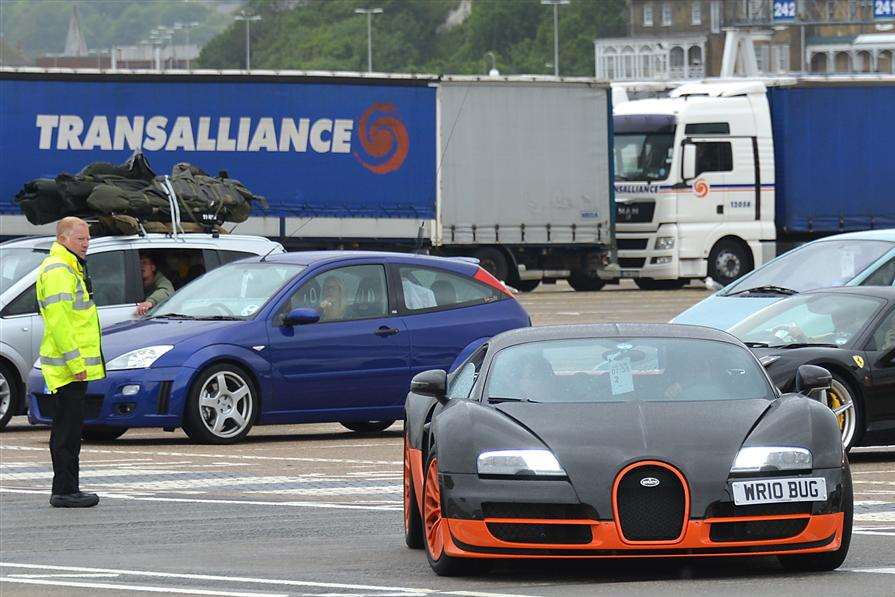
(302, 316)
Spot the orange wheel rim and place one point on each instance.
(432, 512)
(407, 482)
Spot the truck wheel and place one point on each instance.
(10, 395)
(651, 284)
(584, 283)
(525, 285)
(494, 262)
(728, 261)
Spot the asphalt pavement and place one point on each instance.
(316, 510)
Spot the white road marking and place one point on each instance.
(404, 591)
(70, 575)
(871, 570)
(140, 588)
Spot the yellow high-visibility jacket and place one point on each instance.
(71, 340)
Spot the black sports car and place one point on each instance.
(621, 441)
(851, 332)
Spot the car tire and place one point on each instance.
(221, 416)
(432, 526)
(584, 283)
(729, 260)
(494, 262)
(413, 521)
(651, 284)
(102, 434)
(367, 426)
(10, 394)
(819, 562)
(841, 393)
(525, 285)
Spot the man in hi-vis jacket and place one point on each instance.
(70, 353)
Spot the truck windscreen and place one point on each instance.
(644, 147)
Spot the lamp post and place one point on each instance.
(186, 28)
(369, 12)
(555, 4)
(244, 16)
(493, 72)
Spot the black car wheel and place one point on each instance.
(102, 434)
(433, 527)
(818, 562)
(843, 400)
(10, 395)
(413, 522)
(221, 406)
(367, 426)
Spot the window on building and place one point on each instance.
(781, 58)
(715, 16)
(666, 14)
(714, 157)
(696, 12)
(648, 14)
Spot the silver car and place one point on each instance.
(113, 263)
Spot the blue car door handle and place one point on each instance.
(386, 331)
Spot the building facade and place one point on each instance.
(684, 39)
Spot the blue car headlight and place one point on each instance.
(526, 463)
(138, 359)
(762, 459)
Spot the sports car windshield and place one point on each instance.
(234, 291)
(625, 370)
(810, 319)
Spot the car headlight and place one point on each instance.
(760, 459)
(520, 463)
(138, 359)
(665, 242)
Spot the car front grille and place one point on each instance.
(757, 530)
(730, 510)
(93, 403)
(559, 534)
(531, 510)
(650, 504)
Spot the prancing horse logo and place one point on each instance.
(649, 481)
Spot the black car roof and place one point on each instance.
(610, 330)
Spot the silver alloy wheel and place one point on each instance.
(840, 401)
(729, 264)
(225, 404)
(5, 395)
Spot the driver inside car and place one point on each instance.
(156, 286)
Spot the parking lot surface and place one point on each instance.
(316, 510)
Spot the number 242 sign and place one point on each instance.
(884, 9)
(784, 10)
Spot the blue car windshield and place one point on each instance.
(817, 265)
(626, 370)
(234, 291)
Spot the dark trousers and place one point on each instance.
(65, 438)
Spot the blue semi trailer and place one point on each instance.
(514, 171)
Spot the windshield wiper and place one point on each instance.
(807, 344)
(172, 316)
(499, 399)
(756, 344)
(768, 289)
(219, 318)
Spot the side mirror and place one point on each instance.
(813, 381)
(688, 170)
(432, 383)
(302, 316)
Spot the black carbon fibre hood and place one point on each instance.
(593, 442)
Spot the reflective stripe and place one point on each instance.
(59, 362)
(55, 298)
(71, 354)
(53, 266)
(80, 306)
(93, 361)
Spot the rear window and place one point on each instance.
(429, 288)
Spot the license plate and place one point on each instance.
(629, 273)
(774, 491)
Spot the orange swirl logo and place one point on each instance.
(383, 138)
(701, 188)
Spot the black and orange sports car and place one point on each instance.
(629, 440)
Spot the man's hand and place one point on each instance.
(82, 376)
(143, 307)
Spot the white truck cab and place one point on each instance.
(694, 184)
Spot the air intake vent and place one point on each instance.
(651, 504)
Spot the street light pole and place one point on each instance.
(244, 16)
(555, 4)
(369, 12)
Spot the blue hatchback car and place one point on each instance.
(291, 338)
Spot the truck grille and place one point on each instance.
(650, 504)
(634, 213)
(631, 244)
(631, 262)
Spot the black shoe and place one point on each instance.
(74, 500)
